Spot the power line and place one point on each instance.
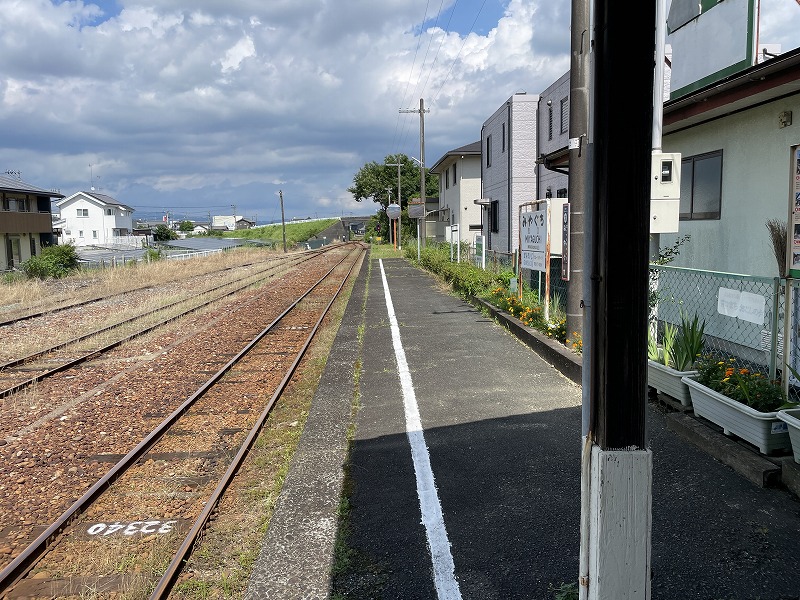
(411, 72)
(446, 77)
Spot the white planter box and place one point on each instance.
(791, 417)
(762, 429)
(668, 381)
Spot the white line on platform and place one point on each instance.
(432, 518)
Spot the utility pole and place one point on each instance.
(398, 164)
(283, 221)
(616, 507)
(579, 189)
(233, 207)
(421, 110)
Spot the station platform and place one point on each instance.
(461, 470)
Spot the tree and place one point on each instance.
(163, 233)
(186, 226)
(378, 181)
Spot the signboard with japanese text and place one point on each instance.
(565, 242)
(794, 221)
(533, 239)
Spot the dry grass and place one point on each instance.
(18, 294)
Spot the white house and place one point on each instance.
(94, 219)
(459, 172)
(508, 168)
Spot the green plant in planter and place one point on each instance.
(740, 383)
(688, 344)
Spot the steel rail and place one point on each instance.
(167, 581)
(68, 305)
(27, 559)
(39, 353)
(89, 355)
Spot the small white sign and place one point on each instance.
(751, 308)
(728, 302)
(533, 260)
(741, 305)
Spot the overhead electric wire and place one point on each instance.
(411, 73)
(446, 77)
(422, 65)
(404, 131)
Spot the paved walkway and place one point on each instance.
(465, 472)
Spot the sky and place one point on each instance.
(199, 108)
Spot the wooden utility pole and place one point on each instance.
(617, 506)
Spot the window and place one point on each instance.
(549, 122)
(447, 179)
(83, 212)
(455, 179)
(489, 151)
(701, 186)
(561, 193)
(494, 216)
(94, 234)
(110, 211)
(504, 137)
(80, 234)
(565, 114)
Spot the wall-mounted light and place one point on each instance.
(785, 118)
(549, 192)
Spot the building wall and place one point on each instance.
(95, 229)
(557, 95)
(755, 188)
(511, 177)
(460, 196)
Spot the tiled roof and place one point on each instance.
(7, 184)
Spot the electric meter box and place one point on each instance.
(665, 192)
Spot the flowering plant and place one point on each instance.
(728, 377)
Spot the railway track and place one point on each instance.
(45, 307)
(23, 371)
(162, 491)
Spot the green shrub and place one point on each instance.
(54, 262)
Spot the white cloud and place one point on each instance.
(207, 103)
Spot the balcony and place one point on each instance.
(25, 222)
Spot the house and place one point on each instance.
(459, 172)
(738, 148)
(508, 168)
(26, 221)
(552, 171)
(230, 223)
(95, 219)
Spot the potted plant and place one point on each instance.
(742, 401)
(791, 417)
(669, 363)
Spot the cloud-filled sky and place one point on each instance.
(196, 107)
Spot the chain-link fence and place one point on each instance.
(744, 315)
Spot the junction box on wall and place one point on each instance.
(665, 192)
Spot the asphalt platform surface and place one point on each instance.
(477, 495)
